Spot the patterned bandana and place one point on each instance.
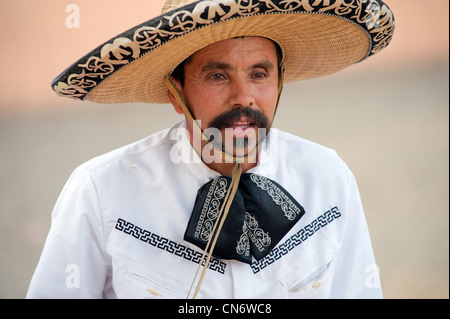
(261, 213)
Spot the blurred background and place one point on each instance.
(387, 117)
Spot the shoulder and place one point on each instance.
(296, 143)
(306, 168)
(295, 151)
(149, 150)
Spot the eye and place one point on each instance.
(259, 75)
(216, 76)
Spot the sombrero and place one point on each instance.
(317, 38)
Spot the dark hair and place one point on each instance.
(178, 72)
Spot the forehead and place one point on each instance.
(240, 47)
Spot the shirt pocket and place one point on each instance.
(315, 284)
(152, 285)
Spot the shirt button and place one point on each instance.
(153, 291)
(317, 284)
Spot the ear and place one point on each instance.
(173, 100)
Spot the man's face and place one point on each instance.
(232, 85)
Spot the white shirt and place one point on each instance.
(118, 225)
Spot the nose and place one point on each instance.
(241, 93)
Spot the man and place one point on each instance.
(221, 205)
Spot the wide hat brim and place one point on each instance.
(317, 38)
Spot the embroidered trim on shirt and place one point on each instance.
(167, 245)
(296, 239)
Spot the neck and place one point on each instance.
(226, 169)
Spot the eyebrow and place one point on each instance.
(265, 64)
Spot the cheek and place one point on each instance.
(204, 106)
(267, 99)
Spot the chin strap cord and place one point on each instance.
(236, 176)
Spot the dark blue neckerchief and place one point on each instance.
(261, 213)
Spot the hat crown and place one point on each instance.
(174, 4)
